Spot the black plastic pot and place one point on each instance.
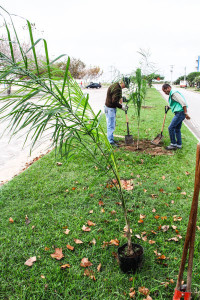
(130, 264)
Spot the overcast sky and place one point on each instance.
(111, 32)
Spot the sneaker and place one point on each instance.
(171, 147)
(179, 146)
(114, 144)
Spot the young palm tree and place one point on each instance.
(42, 103)
(137, 96)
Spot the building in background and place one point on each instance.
(198, 63)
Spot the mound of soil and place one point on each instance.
(145, 146)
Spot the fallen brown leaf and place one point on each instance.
(85, 263)
(27, 221)
(132, 294)
(65, 266)
(148, 298)
(93, 242)
(57, 254)
(70, 247)
(140, 221)
(114, 242)
(11, 220)
(176, 218)
(151, 242)
(165, 228)
(67, 231)
(138, 236)
(77, 241)
(30, 261)
(84, 228)
(90, 274)
(142, 216)
(143, 290)
(99, 267)
(90, 223)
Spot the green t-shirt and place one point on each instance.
(174, 105)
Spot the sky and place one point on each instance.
(111, 33)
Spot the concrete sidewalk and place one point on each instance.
(15, 156)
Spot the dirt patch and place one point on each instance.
(148, 107)
(145, 146)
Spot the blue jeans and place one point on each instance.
(175, 128)
(111, 122)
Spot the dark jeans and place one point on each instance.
(175, 128)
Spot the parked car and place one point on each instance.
(93, 85)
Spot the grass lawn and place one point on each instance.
(55, 198)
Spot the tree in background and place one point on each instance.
(191, 77)
(150, 77)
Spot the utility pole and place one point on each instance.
(185, 75)
(171, 70)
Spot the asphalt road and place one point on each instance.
(14, 155)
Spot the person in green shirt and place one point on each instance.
(178, 105)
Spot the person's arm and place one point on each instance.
(177, 97)
(185, 112)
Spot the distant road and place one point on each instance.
(14, 154)
(193, 100)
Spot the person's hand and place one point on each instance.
(121, 101)
(187, 117)
(124, 107)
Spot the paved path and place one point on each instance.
(14, 155)
(193, 100)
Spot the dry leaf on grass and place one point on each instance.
(30, 261)
(90, 274)
(148, 298)
(65, 266)
(176, 218)
(156, 217)
(90, 223)
(70, 247)
(85, 263)
(99, 267)
(11, 220)
(27, 221)
(93, 242)
(144, 291)
(84, 228)
(151, 242)
(165, 228)
(77, 241)
(57, 254)
(142, 216)
(67, 231)
(132, 294)
(114, 242)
